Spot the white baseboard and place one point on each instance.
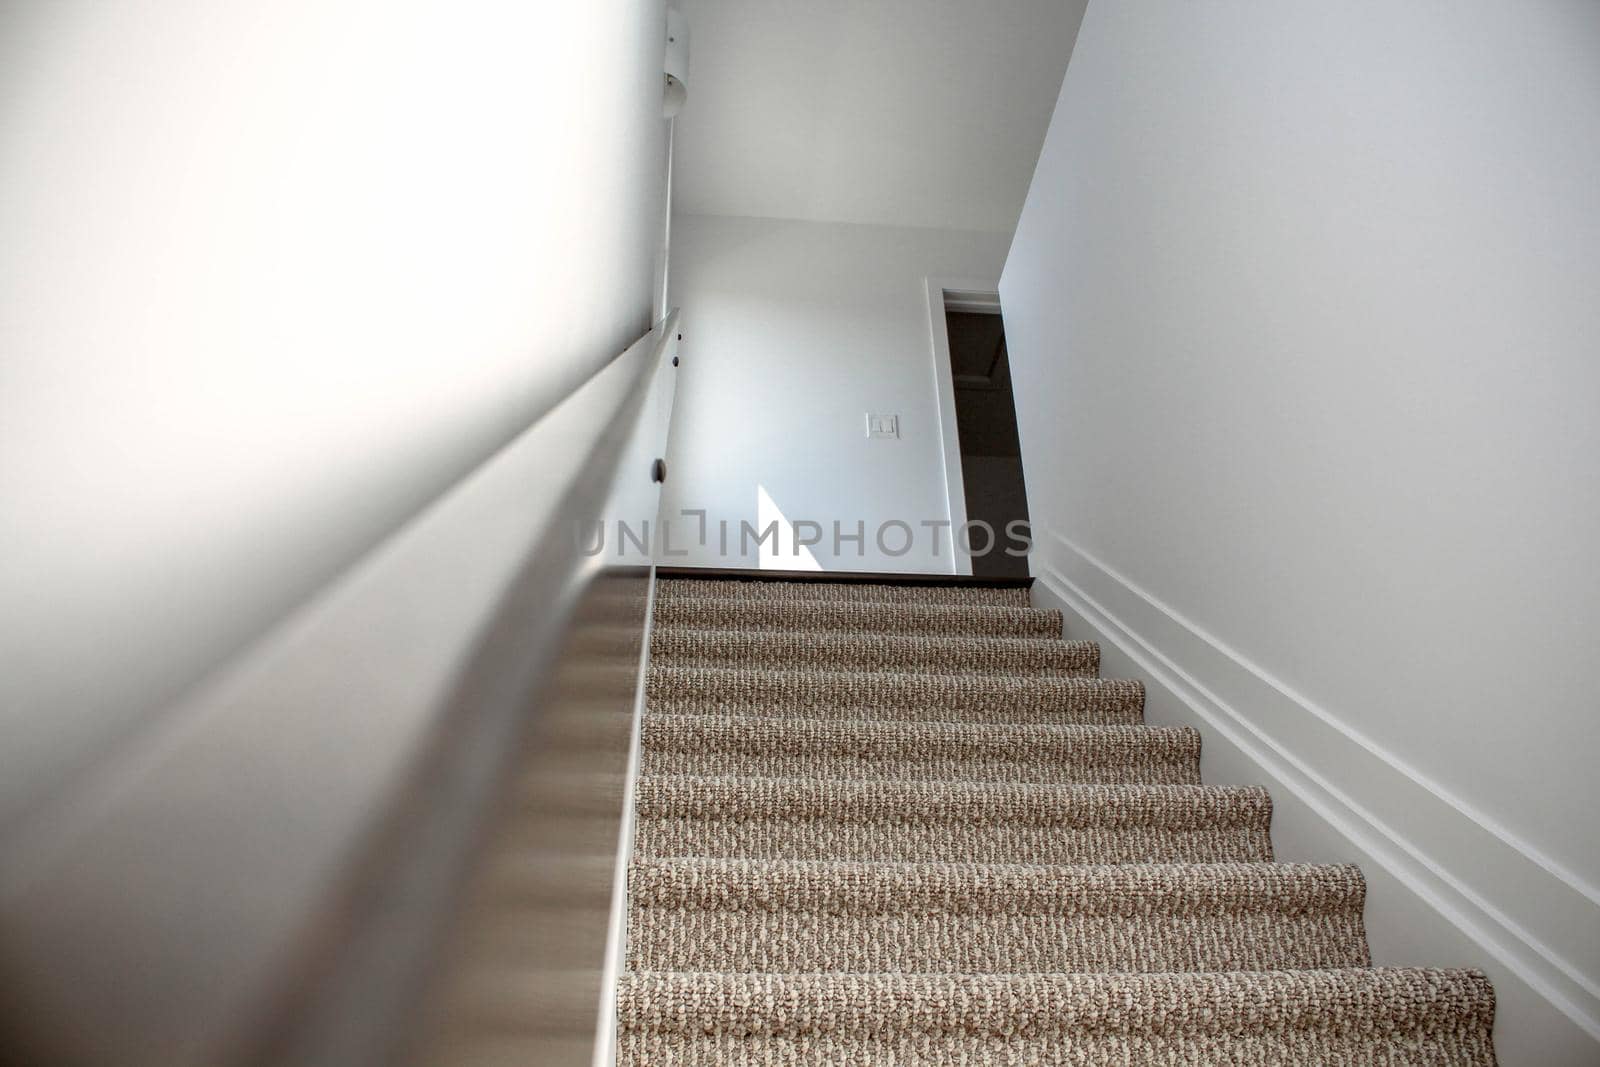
(1446, 887)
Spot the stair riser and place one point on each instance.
(1435, 1047)
(1308, 1017)
(840, 592)
(891, 840)
(815, 749)
(1180, 771)
(896, 697)
(702, 648)
(786, 941)
(858, 617)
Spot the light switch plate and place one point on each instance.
(883, 425)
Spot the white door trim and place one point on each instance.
(959, 294)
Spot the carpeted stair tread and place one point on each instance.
(886, 695)
(906, 824)
(729, 746)
(790, 818)
(879, 592)
(1302, 1017)
(891, 652)
(699, 914)
(857, 616)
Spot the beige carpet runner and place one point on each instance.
(883, 824)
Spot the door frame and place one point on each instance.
(954, 294)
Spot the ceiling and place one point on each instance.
(898, 112)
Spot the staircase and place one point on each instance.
(911, 825)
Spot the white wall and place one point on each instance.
(793, 332)
(274, 277)
(1302, 314)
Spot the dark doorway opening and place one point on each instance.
(986, 427)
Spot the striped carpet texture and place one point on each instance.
(897, 824)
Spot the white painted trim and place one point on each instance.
(974, 295)
(1429, 855)
(971, 303)
(605, 1046)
